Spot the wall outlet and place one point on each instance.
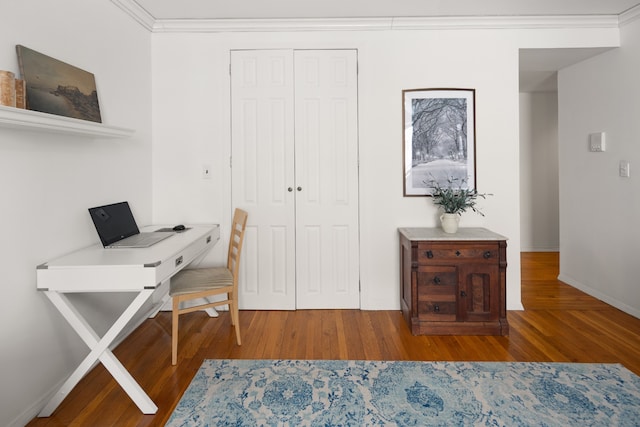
(597, 142)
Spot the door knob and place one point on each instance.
(299, 188)
(290, 189)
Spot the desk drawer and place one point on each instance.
(179, 260)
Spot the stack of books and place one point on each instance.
(12, 90)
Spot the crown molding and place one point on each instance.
(133, 9)
(139, 14)
(629, 16)
(372, 24)
(269, 25)
(506, 22)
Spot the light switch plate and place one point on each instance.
(625, 167)
(597, 142)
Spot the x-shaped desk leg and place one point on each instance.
(100, 351)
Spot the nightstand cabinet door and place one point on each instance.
(478, 298)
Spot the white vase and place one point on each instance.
(449, 222)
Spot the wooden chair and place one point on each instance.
(199, 283)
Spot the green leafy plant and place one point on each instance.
(454, 198)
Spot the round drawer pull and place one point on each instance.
(437, 280)
(487, 255)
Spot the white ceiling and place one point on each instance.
(260, 9)
(538, 67)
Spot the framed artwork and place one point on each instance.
(56, 87)
(438, 128)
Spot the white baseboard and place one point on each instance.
(599, 295)
(34, 409)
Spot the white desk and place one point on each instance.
(95, 269)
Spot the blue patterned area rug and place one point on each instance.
(365, 393)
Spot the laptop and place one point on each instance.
(117, 228)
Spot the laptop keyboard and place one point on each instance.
(142, 239)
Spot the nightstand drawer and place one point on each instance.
(436, 276)
(437, 310)
(430, 254)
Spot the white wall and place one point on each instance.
(48, 182)
(191, 127)
(539, 216)
(599, 210)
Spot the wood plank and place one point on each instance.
(559, 324)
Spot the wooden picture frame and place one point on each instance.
(438, 129)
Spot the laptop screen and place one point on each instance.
(113, 222)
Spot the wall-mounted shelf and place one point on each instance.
(18, 118)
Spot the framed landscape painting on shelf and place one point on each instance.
(438, 139)
(56, 87)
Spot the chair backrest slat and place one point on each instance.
(236, 239)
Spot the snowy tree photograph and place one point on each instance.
(439, 139)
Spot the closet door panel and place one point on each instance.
(262, 174)
(327, 273)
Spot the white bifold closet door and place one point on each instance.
(295, 170)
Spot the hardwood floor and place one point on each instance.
(559, 324)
